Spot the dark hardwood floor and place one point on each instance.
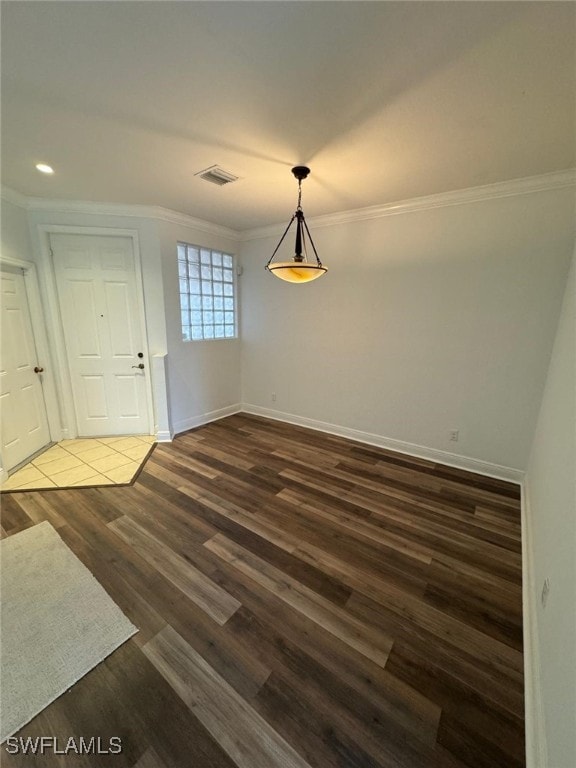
(302, 600)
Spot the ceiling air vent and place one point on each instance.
(216, 175)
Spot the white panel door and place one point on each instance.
(97, 288)
(23, 421)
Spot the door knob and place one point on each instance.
(141, 366)
(38, 370)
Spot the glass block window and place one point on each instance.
(207, 293)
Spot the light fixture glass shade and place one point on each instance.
(296, 272)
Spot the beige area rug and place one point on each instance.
(58, 623)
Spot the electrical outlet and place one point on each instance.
(273, 397)
(545, 592)
(454, 434)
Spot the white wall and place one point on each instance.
(426, 322)
(445, 322)
(203, 376)
(15, 239)
(550, 502)
(202, 379)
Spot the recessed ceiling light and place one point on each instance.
(43, 168)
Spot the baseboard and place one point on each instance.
(431, 454)
(536, 751)
(196, 421)
(163, 436)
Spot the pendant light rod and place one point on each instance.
(300, 172)
(299, 269)
(281, 240)
(311, 241)
(298, 248)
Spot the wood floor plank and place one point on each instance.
(129, 599)
(288, 529)
(355, 578)
(467, 533)
(452, 680)
(253, 522)
(472, 746)
(146, 504)
(14, 517)
(37, 510)
(358, 528)
(204, 448)
(473, 603)
(374, 646)
(449, 629)
(162, 719)
(217, 603)
(239, 666)
(486, 678)
(302, 600)
(316, 733)
(150, 759)
(329, 658)
(238, 728)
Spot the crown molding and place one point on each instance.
(185, 220)
(525, 186)
(117, 209)
(11, 196)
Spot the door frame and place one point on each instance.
(37, 318)
(55, 317)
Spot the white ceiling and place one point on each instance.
(385, 101)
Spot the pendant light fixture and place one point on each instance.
(299, 270)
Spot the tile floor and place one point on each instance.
(90, 461)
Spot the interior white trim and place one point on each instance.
(431, 454)
(175, 217)
(133, 235)
(525, 186)
(196, 421)
(536, 750)
(159, 377)
(135, 211)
